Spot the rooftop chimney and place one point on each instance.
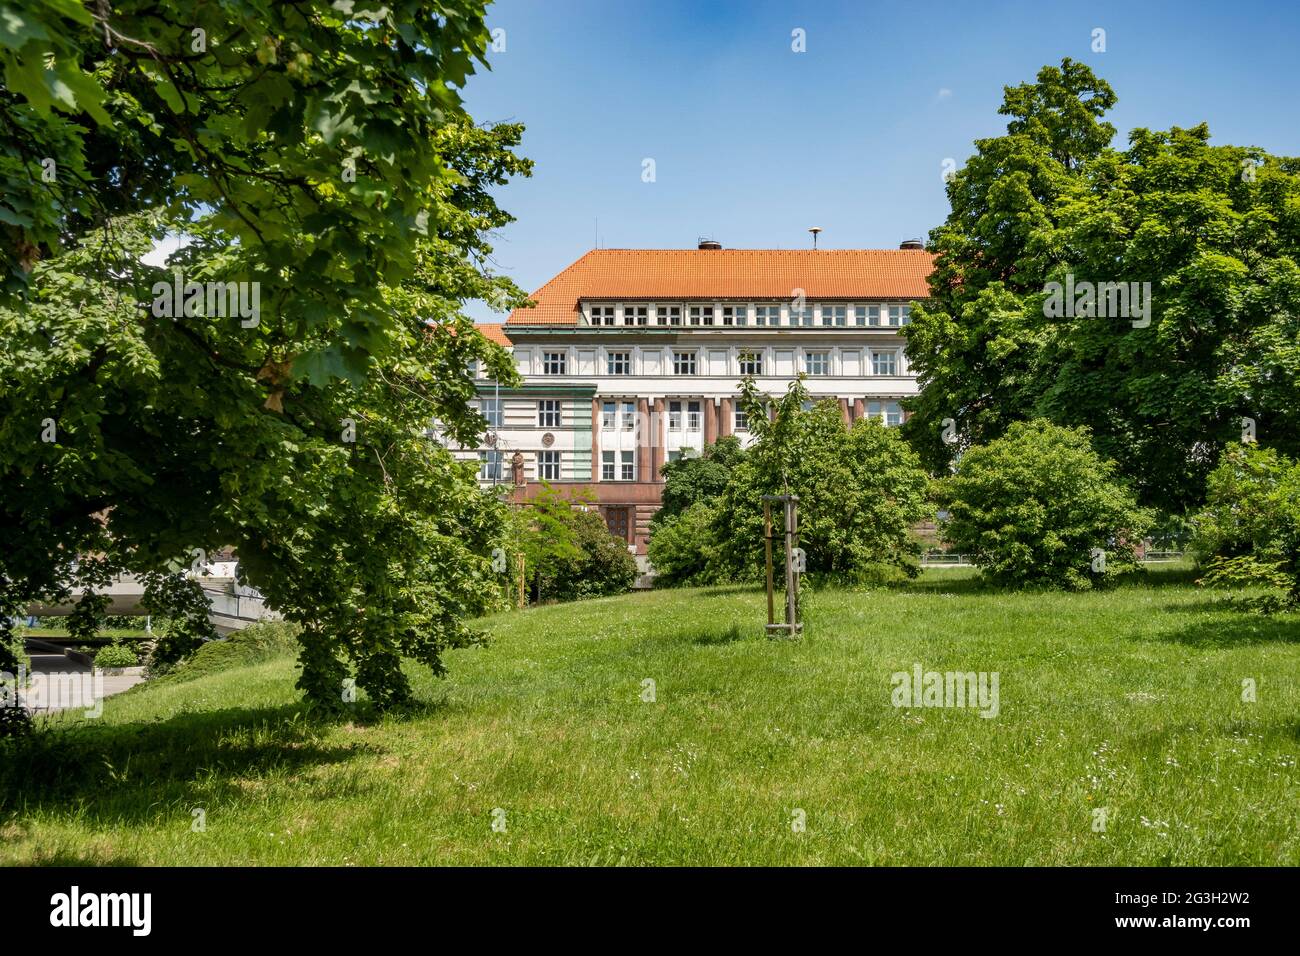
(710, 244)
(911, 244)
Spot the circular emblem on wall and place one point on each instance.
(548, 440)
(491, 439)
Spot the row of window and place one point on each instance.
(686, 362)
(615, 416)
(842, 316)
(620, 465)
(614, 465)
(622, 415)
(490, 465)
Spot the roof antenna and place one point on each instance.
(814, 230)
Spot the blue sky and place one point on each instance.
(754, 143)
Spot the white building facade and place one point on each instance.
(632, 358)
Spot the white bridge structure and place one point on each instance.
(231, 606)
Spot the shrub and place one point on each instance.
(1249, 530)
(602, 566)
(256, 643)
(1031, 507)
(697, 478)
(684, 549)
(116, 654)
(568, 551)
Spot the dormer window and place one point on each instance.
(635, 314)
(701, 315)
(602, 315)
(867, 315)
(668, 315)
(735, 315)
(767, 315)
(900, 315)
(834, 315)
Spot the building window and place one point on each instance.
(629, 416)
(701, 315)
(883, 363)
(489, 465)
(741, 421)
(618, 363)
(817, 363)
(866, 315)
(735, 315)
(668, 315)
(675, 416)
(608, 413)
(751, 363)
(767, 315)
(802, 316)
(606, 466)
(548, 413)
(548, 465)
(491, 409)
(635, 314)
(555, 363)
(602, 315)
(694, 419)
(834, 315)
(683, 363)
(891, 413)
(627, 466)
(674, 456)
(900, 315)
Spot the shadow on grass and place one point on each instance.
(127, 773)
(721, 635)
(1242, 629)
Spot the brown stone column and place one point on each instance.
(657, 438)
(643, 448)
(728, 418)
(595, 439)
(710, 421)
(844, 410)
(859, 409)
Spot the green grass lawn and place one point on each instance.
(1129, 700)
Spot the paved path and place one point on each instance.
(59, 683)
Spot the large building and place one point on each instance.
(633, 357)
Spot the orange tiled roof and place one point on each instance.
(494, 332)
(683, 274)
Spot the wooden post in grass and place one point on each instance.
(521, 581)
(791, 627)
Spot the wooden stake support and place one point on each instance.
(791, 627)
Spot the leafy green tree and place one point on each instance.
(684, 548)
(568, 551)
(974, 345)
(1211, 229)
(315, 149)
(861, 490)
(1040, 507)
(1249, 530)
(697, 478)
